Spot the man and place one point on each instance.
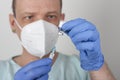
(83, 34)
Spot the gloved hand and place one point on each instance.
(86, 38)
(37, 70)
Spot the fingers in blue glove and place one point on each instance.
(37, 72)
(34, 70)
(71, 24)
(87, 40)
(86, 36)
(86, 26)
(38, 63)
(90, 46)
(45, 77)
(77, 25)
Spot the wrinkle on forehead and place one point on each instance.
(37, 6)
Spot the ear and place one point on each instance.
(12, 22)
(62, 17)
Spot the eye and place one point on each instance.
(28, 17)
(51, 16)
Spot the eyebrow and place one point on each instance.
(52, 12)
(49, 12)
(28, 13)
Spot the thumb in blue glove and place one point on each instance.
(86, 38)
(37, 70)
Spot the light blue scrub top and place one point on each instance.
(65, 68)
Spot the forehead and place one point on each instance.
(37, 5)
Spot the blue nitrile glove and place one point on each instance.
(86, 38)
(37, 70)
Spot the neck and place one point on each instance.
(27, 58)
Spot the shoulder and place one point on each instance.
(9, 63)
(3, 69)
(8, 69)
(3, 64)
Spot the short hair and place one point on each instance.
(14, 5)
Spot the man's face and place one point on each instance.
(28, 11)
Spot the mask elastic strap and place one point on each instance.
(18, 24)
(52, 54)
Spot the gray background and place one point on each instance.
(105, 14)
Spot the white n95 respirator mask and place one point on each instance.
(39, 37)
